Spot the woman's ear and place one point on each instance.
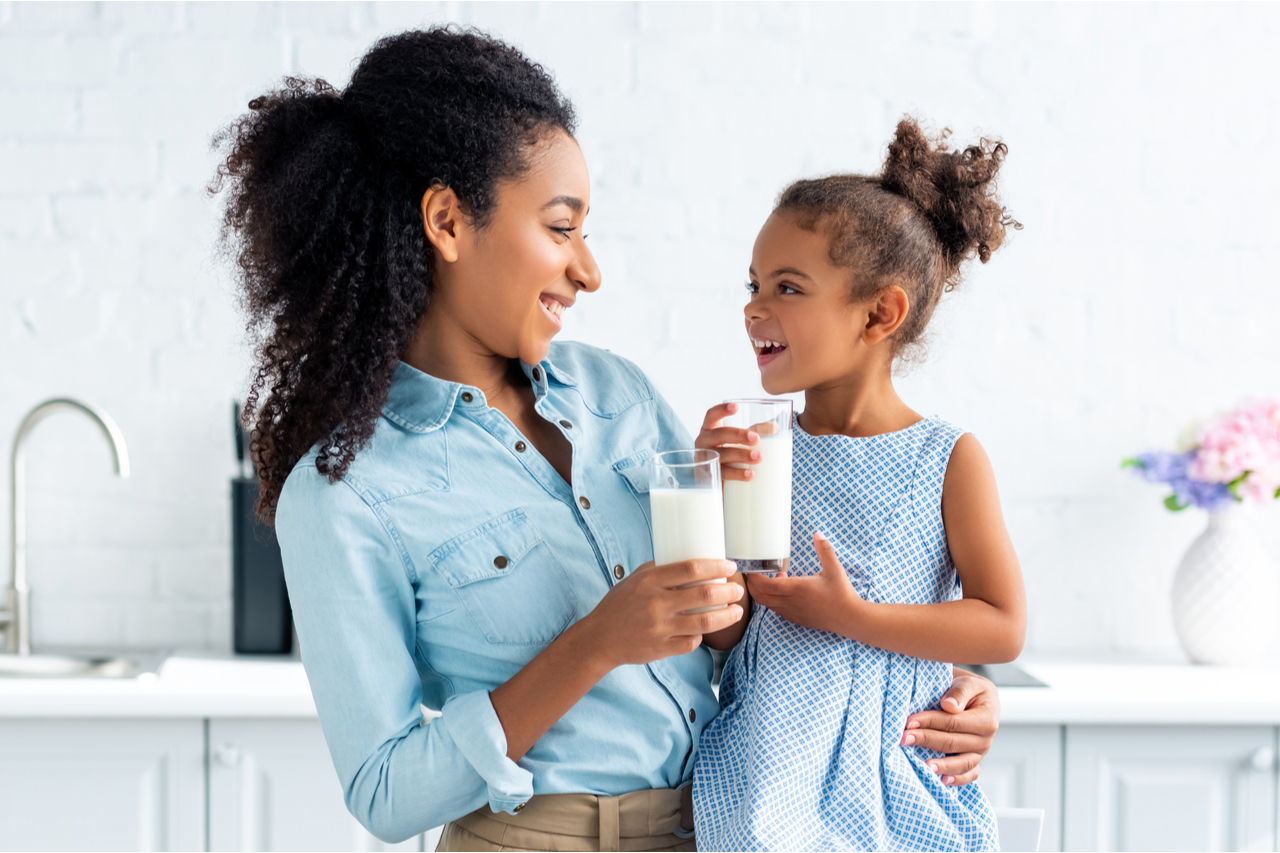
(887, 312)
(442, 220)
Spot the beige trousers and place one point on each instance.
(640, 820)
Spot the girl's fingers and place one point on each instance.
(720, 436)
(826, 554)
(716, 414)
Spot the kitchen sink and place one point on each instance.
(95, 664)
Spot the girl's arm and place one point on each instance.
(987, 626)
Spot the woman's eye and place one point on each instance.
(563, 231)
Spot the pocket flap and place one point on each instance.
(491, 550)
(635, 470)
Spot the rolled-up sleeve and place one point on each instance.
(354, 608)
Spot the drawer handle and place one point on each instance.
(227, 755)
(1263, 759)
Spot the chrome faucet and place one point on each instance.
(15, 615)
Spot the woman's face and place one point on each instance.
(802, 326)
(514, 278)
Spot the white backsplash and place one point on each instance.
(1142, 293)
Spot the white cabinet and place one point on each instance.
(1024, 771)
(1170, 788)
(101, 784)
(272, 786)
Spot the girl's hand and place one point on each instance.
(964, 728)
(734, 460)
(825, 601)
(644, 617)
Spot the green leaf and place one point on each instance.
(1171, 504)
(1278, 493)
(1236, 482)
(1131, 463)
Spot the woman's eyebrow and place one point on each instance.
(572, 202)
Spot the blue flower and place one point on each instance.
(1163, 466)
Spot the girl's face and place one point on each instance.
(513, 280)
(804, 329)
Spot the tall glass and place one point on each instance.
(687, 509)
(757, 512)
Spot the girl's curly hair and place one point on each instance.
(915, 224)
(322, 219)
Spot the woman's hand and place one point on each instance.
(732, 443)
(826, 601)
(964, 728)
(645, 617)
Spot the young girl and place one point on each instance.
(900, 559)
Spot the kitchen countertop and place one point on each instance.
(1079, 692)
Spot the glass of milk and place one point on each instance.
(757, 512)
(687, 509)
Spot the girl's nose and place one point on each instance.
(754, 310)
(583, 271)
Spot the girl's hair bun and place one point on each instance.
(955, 190)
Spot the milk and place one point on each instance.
(757, 513)
(688, 524)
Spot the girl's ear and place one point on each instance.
(442, 220)
(886, 314)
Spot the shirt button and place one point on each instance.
(537, 375)
(500, 562)
(466, 397)
(586, 504)
(692, 715)
(618, 572)
(521, 447)
(566, 424)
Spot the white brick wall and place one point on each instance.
(1142, 293)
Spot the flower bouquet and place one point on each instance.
(1233, 458)
(1226, 593)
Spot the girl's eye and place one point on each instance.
(752, 287)
(786, 288)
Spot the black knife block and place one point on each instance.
(262, 622)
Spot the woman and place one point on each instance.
(462, 504)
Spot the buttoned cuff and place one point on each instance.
(478, 734)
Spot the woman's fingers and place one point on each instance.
(689, 624)
(956, 769)
(705, 595)
(946, 733)
(676, 575)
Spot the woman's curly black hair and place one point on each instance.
(915, 224)
(323, 222)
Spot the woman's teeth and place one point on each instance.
(553, 307)
(766, 347)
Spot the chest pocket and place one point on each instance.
(508, 580)
(635, 470)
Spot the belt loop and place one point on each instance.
(609, 829)
(686, 809)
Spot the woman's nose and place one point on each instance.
(584, 272)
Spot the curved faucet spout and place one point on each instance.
(16, 616)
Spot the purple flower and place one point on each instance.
(1173, 468)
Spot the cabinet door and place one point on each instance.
(1024, 771)
(1170, 788)
(272, 786)
(101, 785)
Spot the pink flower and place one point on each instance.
(1245, 441)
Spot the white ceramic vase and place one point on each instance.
(1226, 594)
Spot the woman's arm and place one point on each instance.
(964, 729)
(987, 626)
(640, 620)
(355, 611)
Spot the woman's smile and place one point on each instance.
(554, 307)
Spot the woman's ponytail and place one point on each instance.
(322, 223)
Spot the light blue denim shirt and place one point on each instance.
(447, 558)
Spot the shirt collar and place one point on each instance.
(420, 402)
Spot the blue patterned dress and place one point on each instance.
(805, 752)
